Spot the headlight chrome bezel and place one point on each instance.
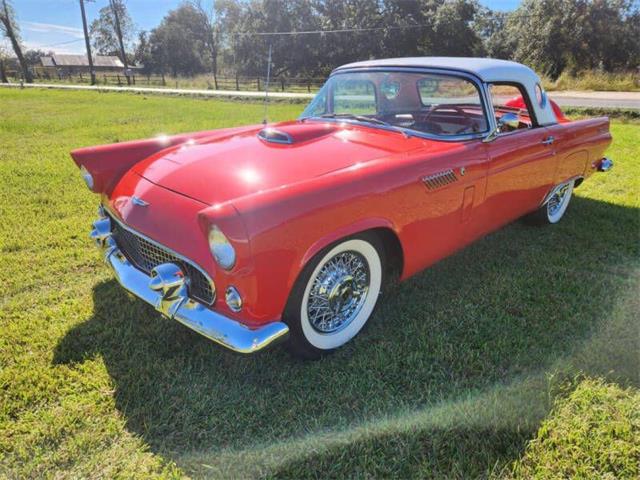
(221, 248)
(87, 177)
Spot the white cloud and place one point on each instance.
(74, 48)
(52, 28)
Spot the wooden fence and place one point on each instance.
(237, 82)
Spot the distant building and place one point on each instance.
(63, 65)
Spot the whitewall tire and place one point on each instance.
(554, 208)
(335, 295)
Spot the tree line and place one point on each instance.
(311, 37)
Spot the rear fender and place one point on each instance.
(108, 163)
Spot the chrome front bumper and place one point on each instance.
(166, 290)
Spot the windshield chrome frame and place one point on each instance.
(479, 84)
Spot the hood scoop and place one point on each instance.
(297, 133)
(273, 135)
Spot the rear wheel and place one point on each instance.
(334, 296)
(555, 207)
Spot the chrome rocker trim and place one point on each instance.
(166, 290)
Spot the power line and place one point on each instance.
(340, 30)
(349, 30)
(61, 43)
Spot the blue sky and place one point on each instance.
(56, 24)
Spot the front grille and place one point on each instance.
(146, 255)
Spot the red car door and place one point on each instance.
(521, 168)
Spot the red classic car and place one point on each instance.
(258, 234)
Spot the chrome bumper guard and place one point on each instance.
(166, 290)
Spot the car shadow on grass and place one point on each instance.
(510, 306)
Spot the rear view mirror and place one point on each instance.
(508, 121)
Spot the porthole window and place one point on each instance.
(541, 96)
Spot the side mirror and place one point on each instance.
(509, 120)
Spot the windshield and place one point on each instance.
(429, 103)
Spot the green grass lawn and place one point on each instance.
(516, 357)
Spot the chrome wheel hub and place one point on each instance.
(556, 200)
(338, 292)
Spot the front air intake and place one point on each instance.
(440, 179)
(273, 135)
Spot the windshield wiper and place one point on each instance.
(365, 119)
(360, 118)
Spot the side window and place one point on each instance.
(354, 96)
(450, 106)
(509, 98)
(440, 89)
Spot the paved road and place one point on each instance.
(573, 99)
(169, 91)
(597, 99)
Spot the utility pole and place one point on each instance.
(114, 9)
(87, 43)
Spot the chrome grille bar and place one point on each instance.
(146, 255)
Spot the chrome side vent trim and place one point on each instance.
(440, 179)
(273, 135)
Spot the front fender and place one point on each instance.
(345, 231)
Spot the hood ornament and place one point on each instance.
(139, 202)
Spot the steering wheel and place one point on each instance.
(457, 109)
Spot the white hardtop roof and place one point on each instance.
(487, 69)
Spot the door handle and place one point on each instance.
(548, 141)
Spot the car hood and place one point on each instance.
(218, 169)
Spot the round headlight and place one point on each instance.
(221, 249)
(86, 176)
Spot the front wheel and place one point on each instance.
(554, 208)
(334, 296)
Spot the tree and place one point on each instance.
(104, 33)
(32, 57)
(116, 22)
(3, 60)
(571, 35)
(9, 28)
(453, 33)
(292, 54)
(142, 55)
(178, 42)
(210, 30)
(491, 27)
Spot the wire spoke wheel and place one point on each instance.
(558, 202)
(335, 295)
(338, 292)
